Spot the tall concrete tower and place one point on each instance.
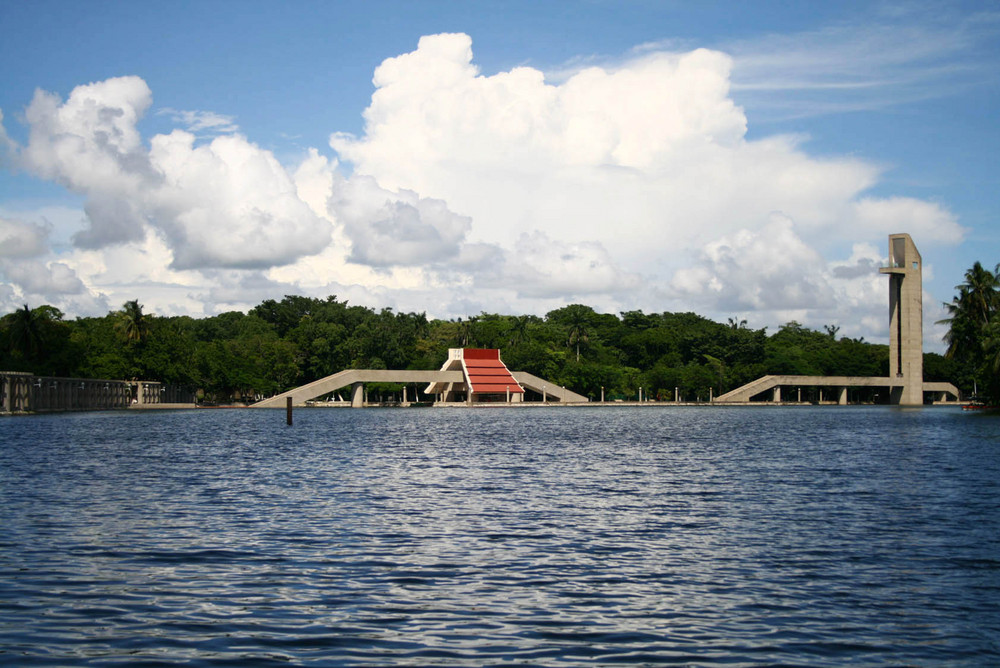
(906, 313)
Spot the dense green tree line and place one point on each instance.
(281, 344)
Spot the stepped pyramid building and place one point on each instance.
(484, 377)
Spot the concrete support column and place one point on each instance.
(404, 394)
(842, 398)
(357, 395)
(677, 395)
(8, 387)
(776, 394)
(905, 320)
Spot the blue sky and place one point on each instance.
(728, 158)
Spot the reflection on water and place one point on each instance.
(803, 536)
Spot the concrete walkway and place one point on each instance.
(356, 378)
(774, 384)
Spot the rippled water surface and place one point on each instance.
(538, 536)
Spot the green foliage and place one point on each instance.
(36, 340)
(132, 324)
(281, 344)
(973, 336)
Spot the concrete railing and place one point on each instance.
(28, 393)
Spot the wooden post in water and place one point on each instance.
(288, 411)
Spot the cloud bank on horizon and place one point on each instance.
(633, 186)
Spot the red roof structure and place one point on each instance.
(485, 377)
(486, 374)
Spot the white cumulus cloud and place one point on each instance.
(22, 239)
(769, 269)
(228, 203)
(395, 228)
(646, 164)
(927, 221)
(541, 267)
(42, 278)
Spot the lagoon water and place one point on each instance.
(536, 536)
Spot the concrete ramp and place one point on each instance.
(753, 388)
(944, 392)
(550, 390)
(300, 395)
(774, 384)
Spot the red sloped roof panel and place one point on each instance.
(484, 364)
(481, 353)
(490, 372)
(487, 374)
(497, 389)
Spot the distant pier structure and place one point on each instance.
(905, 384)
(28, 393)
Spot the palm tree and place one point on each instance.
(26, 332)
(983, 292)
(971, 311)
(518, 331)
(579, 328)
(132, 324)
(421, 328)
(991, 346)
(467, 335)
(719, 367)
(973, 336)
